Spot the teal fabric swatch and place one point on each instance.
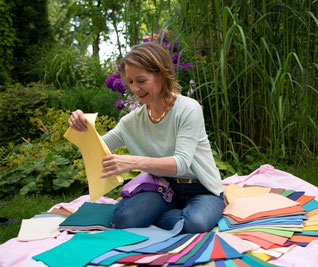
(311, 205)
(91, 214)
(229, 263)
(254, 261)
(85, 247)
(310, 233)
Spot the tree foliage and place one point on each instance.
(33, 30)
(7, 42)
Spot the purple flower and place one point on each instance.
(109, 81)
(119, 85)
(186, 66)
(117, 75)
(175, 58)
(120, 104)
(174, 47)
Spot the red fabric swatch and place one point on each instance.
(217, 252)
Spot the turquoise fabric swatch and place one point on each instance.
(311, 205)
(229, 263)
(254, 261)
(85, 247)
(310, 233)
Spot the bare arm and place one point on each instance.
(116, 164)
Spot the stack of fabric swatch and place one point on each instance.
(310, 229)
(273, 219)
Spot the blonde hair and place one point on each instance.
(154, 58)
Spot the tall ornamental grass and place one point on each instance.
(255, 72)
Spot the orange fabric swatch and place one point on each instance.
(312, 212)
(304, 199)
(280, 240)
(270, 213)
(302, 238)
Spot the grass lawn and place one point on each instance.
(24, 207)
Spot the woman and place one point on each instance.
(165, 137)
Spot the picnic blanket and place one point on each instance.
(17, 253)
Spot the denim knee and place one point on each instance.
(140, 210)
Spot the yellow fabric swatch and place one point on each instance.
(93, 149)
(311, 228)
(234, 191)
(261, 256)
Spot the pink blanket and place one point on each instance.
(14, 252)
(18, 253)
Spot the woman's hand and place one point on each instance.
(77, 121)
(116, 164)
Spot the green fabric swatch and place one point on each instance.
(194, 250)
(286, 193)
(85, 247)
(276, 231)
(90, 214)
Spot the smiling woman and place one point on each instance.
(165, 137)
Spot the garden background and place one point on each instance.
(252, 65)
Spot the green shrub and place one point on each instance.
(49, 163)
(101, 100)
(17, 104)
(64, 67)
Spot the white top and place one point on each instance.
(181, 134)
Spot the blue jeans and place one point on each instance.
(200, 209)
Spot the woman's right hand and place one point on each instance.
(77, 121)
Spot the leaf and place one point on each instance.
(59, 182)
(60, 160)
(27, 188)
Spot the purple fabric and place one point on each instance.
(146, 182)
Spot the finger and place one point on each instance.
(78, 120)
(107, 172)
(74, 126)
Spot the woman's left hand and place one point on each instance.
(116, 164)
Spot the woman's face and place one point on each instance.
(145, 85)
